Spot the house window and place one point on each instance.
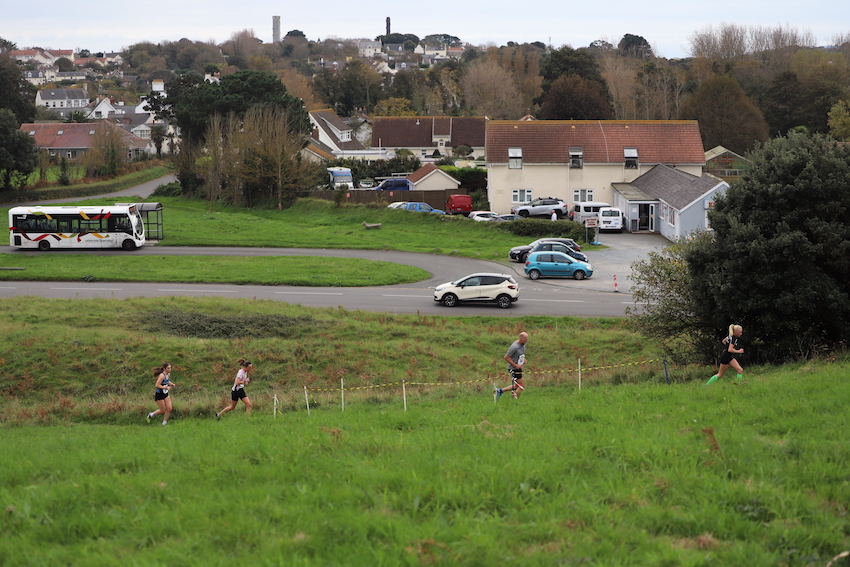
(514, 158)
(576, 158)
(582, 195)
(631, 157)
(441, 144)
(521, 195)
(60, 132)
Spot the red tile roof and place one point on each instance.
(73, 136)
(419, 131)
(601, 141)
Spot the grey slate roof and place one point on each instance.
(677, 188)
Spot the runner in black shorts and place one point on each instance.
(237, 392)
(727, 357)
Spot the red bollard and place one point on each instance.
(616, 287)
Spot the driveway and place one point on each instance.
(616, 260)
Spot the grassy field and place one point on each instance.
(752, 474)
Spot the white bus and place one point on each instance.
(76, 227)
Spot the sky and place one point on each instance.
(667, 26)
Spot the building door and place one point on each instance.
(652, 218)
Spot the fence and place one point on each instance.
(404, 384)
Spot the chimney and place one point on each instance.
(388, 25)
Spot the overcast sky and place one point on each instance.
(665, 25)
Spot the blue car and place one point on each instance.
(421, 207)
(556, 264)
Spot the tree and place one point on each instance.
(574, 98)
(16, 94)
(726, 116)
(77, 116)
(780, 261)
(490, 90)
(635, 46)
(108, 151)
(568, 61)
(839, 121)
(356, 86)
(64, 64)
(394, 107)
(193, 101)
(18, 154)
(664, 304)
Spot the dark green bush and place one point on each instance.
(544, 228)
(205, 326)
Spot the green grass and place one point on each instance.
(260, 270)
(638, 474)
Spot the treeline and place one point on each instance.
(774, 79)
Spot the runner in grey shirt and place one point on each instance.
(515, 358)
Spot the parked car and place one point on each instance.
(367, 183)
(541, 207)
(421, 207)
(479, 288)
(397, 205)
(556, 264)
(520, 253)
(505, 218)
(552, 246)
(483, 215)
(459, 205)
(395, 184)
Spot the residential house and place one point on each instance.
(82, 61)
(42, 75)
(63, 101)
(580, 160)
(429, 177)
(71, 140)
(35, 56)
(368, 49)
(429, 137)
(335, 135)
(101, 108)
(114, 58)
(725, 164)
(76, 75)
(68, 54)
(668, 201)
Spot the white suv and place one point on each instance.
(541, 207)
(501, 288)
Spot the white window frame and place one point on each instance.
(579, 193)
(519, 196)
(514, 158)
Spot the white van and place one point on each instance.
(610, 218)
(583, 210)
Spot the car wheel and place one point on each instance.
(128, 245)
(504, 301)
(534, 274)
(524, 257)
(523, 214)
(579, 275)
(43, 245)
(450, 300)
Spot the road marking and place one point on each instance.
(198, 290)
(305, 293)
(398, 295)
(555, 300)
(86, 288)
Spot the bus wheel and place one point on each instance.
(43, 245)
(128, 245)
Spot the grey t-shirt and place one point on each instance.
(516, 353)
